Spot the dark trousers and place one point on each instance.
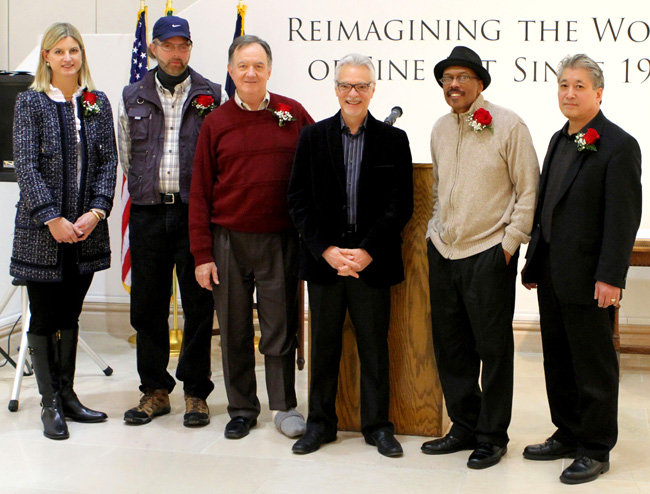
(264, 262)
(56, 306)
(472, 305)
(159, 240)
(581, 370)
(369, 310)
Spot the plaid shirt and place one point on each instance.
(263, 105)
(173, 111)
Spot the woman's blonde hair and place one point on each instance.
(55, 33)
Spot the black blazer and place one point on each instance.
(317, 199)
(595, 216)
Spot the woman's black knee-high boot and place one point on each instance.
(44, 363)
(72, 407)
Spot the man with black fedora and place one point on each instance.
(485, 176)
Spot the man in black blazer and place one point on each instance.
(350, 196)
(586, 221)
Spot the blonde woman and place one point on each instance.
(65, 158)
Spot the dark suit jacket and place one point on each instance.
(317, 199)
(595, 216)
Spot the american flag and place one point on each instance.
(139, 66)
(239, 31)
(139, 59)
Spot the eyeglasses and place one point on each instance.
(462, 79)
(361, 87)
(169, 47)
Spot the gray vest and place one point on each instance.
(147, 134)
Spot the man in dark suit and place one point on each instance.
(585, 225)
(350, 196)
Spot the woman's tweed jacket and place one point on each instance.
(45, 156)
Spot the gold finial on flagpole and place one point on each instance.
(142, 5)
(169, 9)
(241, 10)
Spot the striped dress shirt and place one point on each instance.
(353, 145)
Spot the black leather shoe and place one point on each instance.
(239, 427)
(311, 441)
(448, 444)
(486, 455)
(386, 443)
(583, 470)
(550, 449)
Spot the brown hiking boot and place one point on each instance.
(197, 412)
(153, 402)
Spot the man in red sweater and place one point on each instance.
(242, 237)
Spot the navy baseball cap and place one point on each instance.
(170, 26)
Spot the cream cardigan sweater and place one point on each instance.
(484, 183)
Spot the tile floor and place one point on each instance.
(166, 457)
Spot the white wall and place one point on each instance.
(23, 21)
(532, 96)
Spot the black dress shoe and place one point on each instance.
(239, 427)
(583, 470)
(311, 441)
(551, 449)
(448, 444)
(386, 443)
(485, 455)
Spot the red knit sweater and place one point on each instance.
(241, 172)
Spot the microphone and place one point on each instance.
(395, 113)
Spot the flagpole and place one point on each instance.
(241, 10)
(175, 334)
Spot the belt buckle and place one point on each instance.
(169, 198)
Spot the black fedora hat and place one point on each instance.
(463, 57)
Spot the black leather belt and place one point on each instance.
(171, 198)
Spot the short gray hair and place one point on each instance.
(356, 60)
(245, 40)
(582, 61)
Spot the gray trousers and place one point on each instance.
(265, 262)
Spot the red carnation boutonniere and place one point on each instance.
(587, 140)
(480, 120)
(283, 114)
(204, 104)
(90, 104)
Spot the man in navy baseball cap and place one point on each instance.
(169, 26)
(160, 119)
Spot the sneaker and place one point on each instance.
(197, 412)
(153, 402)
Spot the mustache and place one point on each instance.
(455, 90)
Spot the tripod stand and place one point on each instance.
(22, 354)
(3, 304)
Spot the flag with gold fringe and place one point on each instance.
(139, 67)
(239, 31)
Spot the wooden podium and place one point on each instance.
(416, 397)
